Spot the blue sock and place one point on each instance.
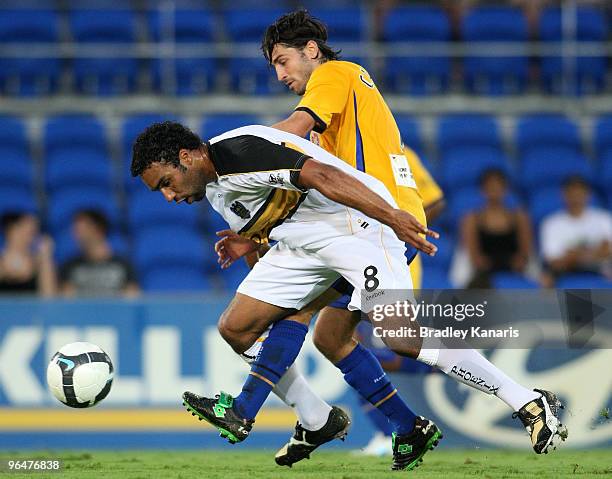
(277, 353)
(363, 372)
(380, 422)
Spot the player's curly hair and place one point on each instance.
(295, 30)
(161, 143)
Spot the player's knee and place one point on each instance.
(231, 335)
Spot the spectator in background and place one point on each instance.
(579, 238)
(26, 262)
(496, 238)
(97, 271)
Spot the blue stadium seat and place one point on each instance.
(15, 198)
(410, 131)
(13, 135)
(534, 131)
(74, 132)
(172, 279)
(603, 135)
(590, 72)
(444, 256)
(147, 208)
(466, 200)
(457, 131)
(496, 74)
(604, 176)
(29, 75)
(214, 125)
(17, 170)
(250, 74)
(108, 75)
(190, 75)
(512, 281)
(67, 168)
(550, 166)
(463, 167)
(344, 24)
(583, 281)
(172, 246)
(233, 276)
(435, 278)
(417, 75)
(65, 203)
(135, 124)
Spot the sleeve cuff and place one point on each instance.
(294, 176)
(320, 125)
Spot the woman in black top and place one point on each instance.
(497, 238)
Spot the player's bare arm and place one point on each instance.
(299, 123)
(342, 188)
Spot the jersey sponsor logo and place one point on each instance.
(239, 209)
(276, 179)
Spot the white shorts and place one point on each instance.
(372, 259)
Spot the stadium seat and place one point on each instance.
(135, 124)
(410, 131)
(415, 74)
(172, 246)
(233, 276)
(344, 24)
(173, 279)
(17, 199)
(496, 74)
(466, 200)
(13, 135)
(456, 131)
(512, 281)
(444, 256)
(583, 281)
(250, 74)
(108, 74)
(590, 72)
(603, 136)
(65, 203)
(29, 74)
(146, 209)
(463, 167)
(550, 166)
(534, 131)
(435, 278)
(189, 75)
(17, 170)
(604, 176)
(74, 132)
(214, 125)
(75, 168)
(66, 247)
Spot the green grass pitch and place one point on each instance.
(323, 465)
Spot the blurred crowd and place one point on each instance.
(27, 265)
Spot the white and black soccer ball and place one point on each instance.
(80, 375)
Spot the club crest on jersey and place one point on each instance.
(276, 179)
(241, 210)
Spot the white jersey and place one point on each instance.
(257, 190)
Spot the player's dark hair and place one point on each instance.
(98, 218)
(295, 30)
(161, 143)
(11, 218)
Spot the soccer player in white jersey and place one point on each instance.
(329, 220)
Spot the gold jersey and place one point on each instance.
(354, 123)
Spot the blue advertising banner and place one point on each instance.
(162, 347)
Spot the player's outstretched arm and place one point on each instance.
(342, 188)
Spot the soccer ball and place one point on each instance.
(80, 375)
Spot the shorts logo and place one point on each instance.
(276, 179)
(241, 210)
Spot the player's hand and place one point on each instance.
(232, 247)
(408, 229)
